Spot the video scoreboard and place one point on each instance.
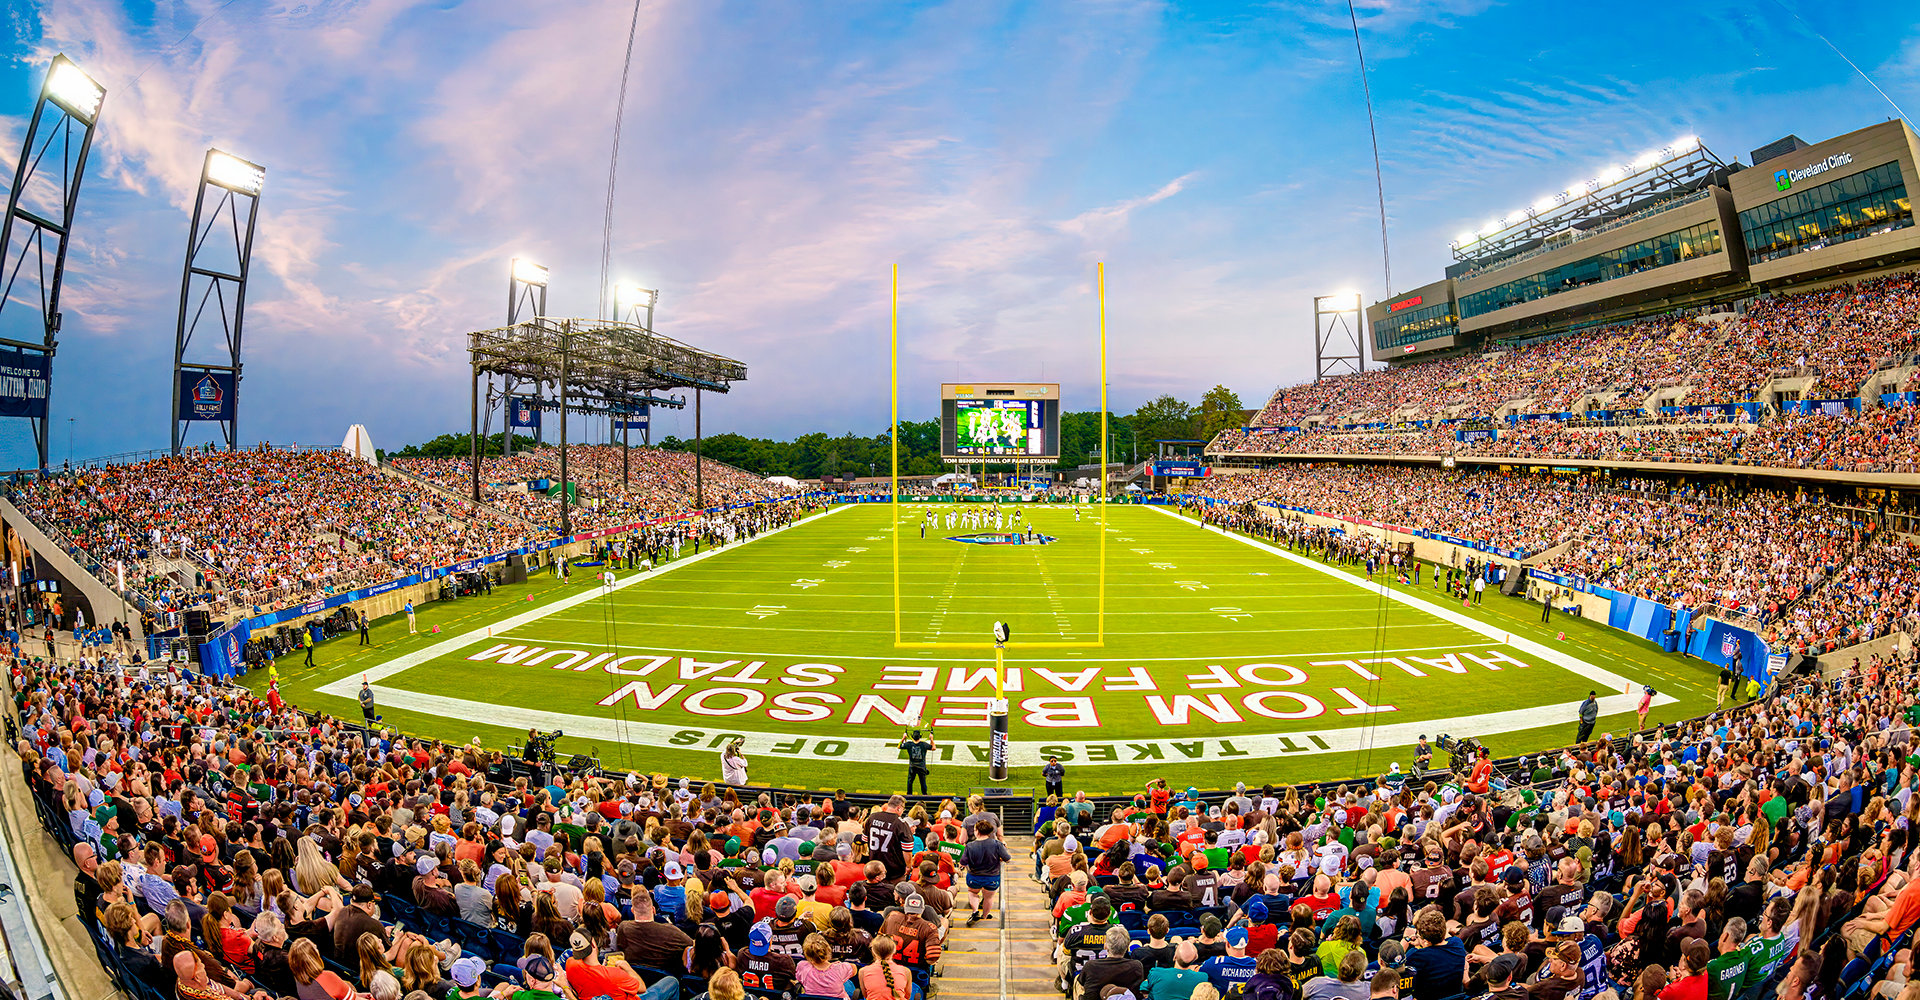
(999, 420)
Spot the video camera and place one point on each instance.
(1461, 751)
(539, 748)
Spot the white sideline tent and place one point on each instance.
(359, 444)
(788, 481)
(953, 477)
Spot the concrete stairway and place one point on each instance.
(1010, 955)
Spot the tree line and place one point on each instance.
(851, 456)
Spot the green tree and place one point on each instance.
(1161, 419)
(1219, 409)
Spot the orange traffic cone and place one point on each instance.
(1562, 637)
(436, 630)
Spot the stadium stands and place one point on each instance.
(1733, 856)
(237, 531)
(1815, 575)
(1817, 345)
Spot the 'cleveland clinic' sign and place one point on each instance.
(1784, 179)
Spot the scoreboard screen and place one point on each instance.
(1017, 420)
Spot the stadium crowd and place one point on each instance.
(261, 527)
(1761, 851)
(1815, 575)
(658, 483)
(1882, 439)
(229, 848)
(237, 532)
(1836, 336)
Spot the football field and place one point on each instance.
(1143, 645)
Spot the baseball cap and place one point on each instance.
(1237, 937)
(209, 851)
(425, 864)
(538, 967)
(1504, 967)
(1572, 924)
(365, 894)
(718, 903)
(808, 883)
(758, 940)
(733, 845)
(466, 971)
(915, 904)
(1257, 912)
(1115, 991)
(1514, 874)
(785, 908)
(673, 872)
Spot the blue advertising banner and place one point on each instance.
(1476, 434)
(638, 423)
(1898, 398)
(1827, 407)
(206, 395)
(220, 654)
(521, 412)
(1192, 470)
(23, 384)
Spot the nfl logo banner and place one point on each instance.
(206, 395)
(522, 413)
(1729, 645)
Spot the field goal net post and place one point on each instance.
(998, 725)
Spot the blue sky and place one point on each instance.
(779, 157)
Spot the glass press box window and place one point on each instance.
(1862, 204)
(1657, 251)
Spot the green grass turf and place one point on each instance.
(1186, 606)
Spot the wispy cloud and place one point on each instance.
(778, 160)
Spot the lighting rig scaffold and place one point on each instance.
(597, 366)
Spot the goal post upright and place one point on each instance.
(1100, 616)
(893, 497)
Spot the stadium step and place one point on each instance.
(1009, 957)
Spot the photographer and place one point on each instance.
(733, 764)
(917, 749)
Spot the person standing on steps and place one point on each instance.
(1589, 714)
(917, 750)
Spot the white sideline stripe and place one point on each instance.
(345, 688)
(1607, 679)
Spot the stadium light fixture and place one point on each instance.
(1686, 144)
(235, 174)
(527, 272)
(73, 90)
(1465, 238)
(631, 296)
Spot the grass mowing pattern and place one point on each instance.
(1189, 613)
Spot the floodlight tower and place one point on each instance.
(526, 291)
(75, 99)
(628, 301)
(1338, 328)
(214, 277)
